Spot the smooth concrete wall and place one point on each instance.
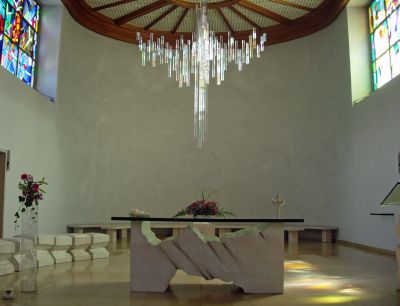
(371, 144)
(28, 127)
(371, 169)
(276, 127)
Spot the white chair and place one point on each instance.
(62, 244)
(80, 243)
(16, 259)
(44, 244)
(7, 250)
(98, 245)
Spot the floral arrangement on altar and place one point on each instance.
(31, 194)
(204, 207)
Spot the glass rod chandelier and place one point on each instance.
(205, 56)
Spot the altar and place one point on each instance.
(251, 258)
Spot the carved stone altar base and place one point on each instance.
(252, 258)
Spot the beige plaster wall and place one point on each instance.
(275, 128)
(120, 136)
(28, 127)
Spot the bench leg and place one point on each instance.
(124, 233)
(293, 237)
(176, 232)
(113, 235)
(326, 236)
(78, 230)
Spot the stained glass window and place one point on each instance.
(9, 55)
(384, 23)
(19, 24)
(25, 67)
(2, 16)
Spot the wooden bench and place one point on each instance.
(112, 229)
(293, 233)
(292, 230)
(327, 232)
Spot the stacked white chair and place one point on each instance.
(44, 244)
(98, 246)
(26, 245)
(7, 250)
(53, 249)
(62, 244)
(80, 243)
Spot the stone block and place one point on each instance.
(80, 243)
(98, 244)
(62, 244)
(7, 251)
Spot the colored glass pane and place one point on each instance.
(394, 27)
(383, 70)
(27, 38)
(25, 68)
(395, 59)
(373, 48)
(16, 28)
(12, 26)
(2, 16)
(31, 13)
(391, 5)
(34, 47)
(9, 20)
(17, 4)
(377, 13)
(37, 19)
(381, 40)
(9, 55)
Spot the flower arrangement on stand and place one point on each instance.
(205, 207)
(31, 194)
(27, 215)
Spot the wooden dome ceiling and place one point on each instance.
(283, 20)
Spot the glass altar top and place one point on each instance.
(213, 220)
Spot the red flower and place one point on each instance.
(35, 187)
(24, 176)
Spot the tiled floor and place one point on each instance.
(316, 274)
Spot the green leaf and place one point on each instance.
(211, 193)
(180, 213)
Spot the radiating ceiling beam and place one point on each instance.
(106, 6)
(265, 12)
(180, 20)
(226, 21)
(244, 17)
(162, 16)
(142, 11)
(294, 5)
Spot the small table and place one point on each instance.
(251, 258)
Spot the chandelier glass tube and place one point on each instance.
(205, 56)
